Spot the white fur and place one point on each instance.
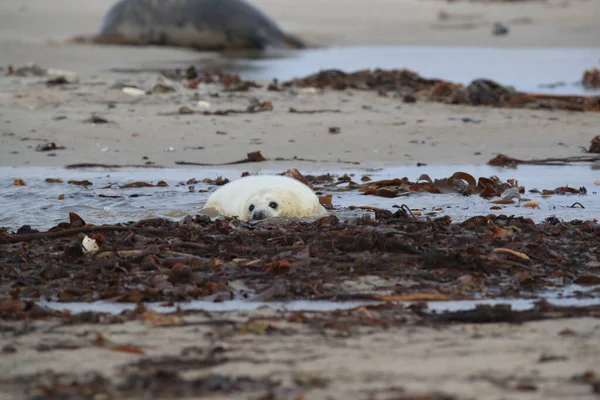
(293, 198)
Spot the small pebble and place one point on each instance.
(9, 349)
(309, 90)
(499, 29)
(133, 91)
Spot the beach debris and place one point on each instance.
(203, 104)
(591, 78)
(532, 204)
(192, 79)
(30, 69)
(59, 80)
(162, 88)
(504, 161)
(479, 92)
(466, 120)
(219, 181)
(594, 145)
(295, 111)
(140, 184)
(308, 90)
(53, 180)
(133, 91)
(459, 182)
(499, 29)
(94, 119)
(252, 157)
(591, 280)
(61, 77)
(335, 129)
(19, 182)
(84, 182)
(326, 201)
(296, 159)
(49, 147)
(108, 166)
(294, 173)
(255, 106)
(89, 245)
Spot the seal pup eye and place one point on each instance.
(273, 205)
(251, 207)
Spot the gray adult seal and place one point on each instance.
(209, 25)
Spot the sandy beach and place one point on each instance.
(285, 355)
(269, 354)
(397, 133)
(31, 112)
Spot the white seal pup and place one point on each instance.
(265, 196)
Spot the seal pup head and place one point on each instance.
(271, 202)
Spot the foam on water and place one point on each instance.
(37, 204)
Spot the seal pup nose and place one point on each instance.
(258, 215)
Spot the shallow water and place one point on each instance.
(568, 296)
(542, 70)
(37, 204)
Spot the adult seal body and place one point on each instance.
(209, 25)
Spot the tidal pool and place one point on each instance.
(39, 206)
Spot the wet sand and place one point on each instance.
(282, 355)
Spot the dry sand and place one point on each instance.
(479, 362)
(373, 130)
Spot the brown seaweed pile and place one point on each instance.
(411, 87)
(200, 258)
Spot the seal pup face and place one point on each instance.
(268, 203)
